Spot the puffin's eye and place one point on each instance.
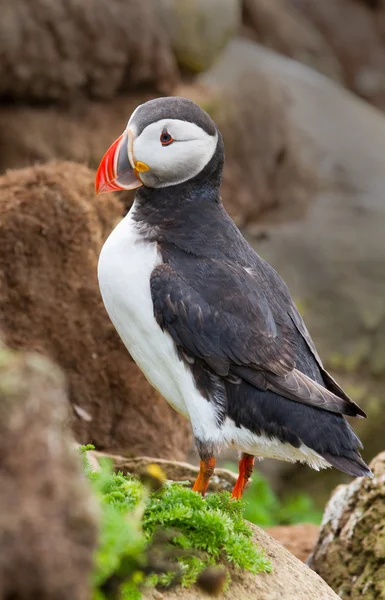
(165, 138)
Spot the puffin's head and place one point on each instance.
(167, 141)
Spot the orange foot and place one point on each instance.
(246, 465)
(205, 472)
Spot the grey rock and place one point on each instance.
(350, 551)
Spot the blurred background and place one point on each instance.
(297, 88)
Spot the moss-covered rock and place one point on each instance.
(350, 551)
(48, 517)
(289, 580)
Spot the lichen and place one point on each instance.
(350, 552)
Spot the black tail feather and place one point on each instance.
(354, 466)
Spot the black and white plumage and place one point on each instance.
(210, 323)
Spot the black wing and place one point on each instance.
(216, 312)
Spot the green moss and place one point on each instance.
(212, 525)
(154, 538)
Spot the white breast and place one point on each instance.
(125, 266)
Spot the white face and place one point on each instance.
(173, 150)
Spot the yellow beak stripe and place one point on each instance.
(141, 167)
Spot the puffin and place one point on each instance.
(210, 323)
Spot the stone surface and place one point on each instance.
(289, 580)
(56, 51)
(198, 30)
(52, 228)
(48, 517)
(332, 255)
(350, 551)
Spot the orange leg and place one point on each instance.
(206, 470)
(246, 465)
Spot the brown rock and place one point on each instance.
(350, 551)
(59, 50)
(48, 517)
(81, 133)
(290, 579)
(298, 539)
(51, 230)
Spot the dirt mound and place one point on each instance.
(59, 50)
(350, 551)
(48, 526)
(51, 230)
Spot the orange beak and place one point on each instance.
(118, 170)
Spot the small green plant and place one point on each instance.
(264, 508)
(164, 536)
(214, 526)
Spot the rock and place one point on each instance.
(353, 32)
(82, 133)
(331, 255)
(68, 48)
(350, 551)
(289, 580)
(222, 480)
(298, 539)
(279, 26)
(52, 228)
(199, 30)
(48, 517)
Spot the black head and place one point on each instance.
(167, 142)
